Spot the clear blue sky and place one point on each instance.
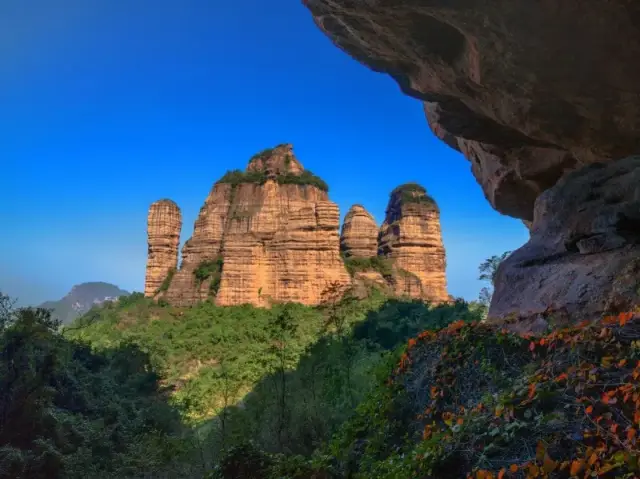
(108, 105)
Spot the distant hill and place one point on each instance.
(82, 298)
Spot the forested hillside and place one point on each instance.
(380, 388)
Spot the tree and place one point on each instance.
(6, 311)
(489, 268)
(282, 328)
(488, 271)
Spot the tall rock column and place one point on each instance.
(412, 238)
(359, 236)
(164, 223)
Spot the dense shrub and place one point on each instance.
(475, 401)
(66, 411)
(211, 270)
(382, 265)
(237, 177)
(414, 193)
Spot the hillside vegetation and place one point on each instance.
(380, 388)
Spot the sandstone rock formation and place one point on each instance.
(526, 90)
(411, 237)
(583, 257)
(359, 236)
(269, 234)
(164, 223)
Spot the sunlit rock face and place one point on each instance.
(164, 223)
(273, 237)
(412, 238)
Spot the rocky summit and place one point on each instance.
(271, 234)
(528, 92)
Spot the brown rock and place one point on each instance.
(583, 257)
(276, 161)
(278, 241)
(411, 237)
(204, 245)
(530, 89)
(359, 236)
(164, 223)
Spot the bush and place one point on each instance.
(71, 412)
(167, 281)
(238, 177)
(382, 265)
(414, 193)
(475, 401)
(210, 269)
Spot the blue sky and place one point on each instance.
(108, 105)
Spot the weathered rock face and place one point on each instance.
(164, 223)
(583, 257)
(526, 90)
(276, 161)
(411, 237)
(359, 236)
(277, 241)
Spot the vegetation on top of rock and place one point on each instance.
(414, 193)
(237, 177)
(380, 264)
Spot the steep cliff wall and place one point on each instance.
(267, 234)
(411, 237)
(164, 223)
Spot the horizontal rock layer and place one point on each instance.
(411, 237)
(277, 242)
(164, 223)
(359, 236)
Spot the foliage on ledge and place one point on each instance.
(210, 269)
(167, 281)
(382, 265)
(414, 193)
(306, 178)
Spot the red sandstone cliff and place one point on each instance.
(267, 234)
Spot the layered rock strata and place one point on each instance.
(164, 223)
(273, 234)
(411, 237)
(583, 257)
(359, 236)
